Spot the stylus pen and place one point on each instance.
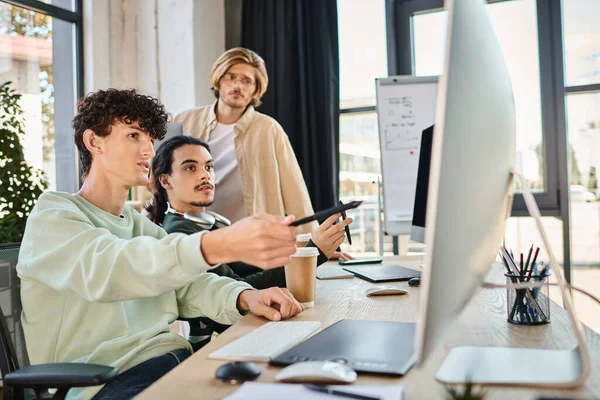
(327, 213)
(325, 389)
(347, 227)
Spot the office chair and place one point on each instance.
(201, 330)
(33, 381)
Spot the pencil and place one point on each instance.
(528, 258)
(537, 251)
(505, 263)
(521, 270)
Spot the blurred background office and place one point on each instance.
(322, 57)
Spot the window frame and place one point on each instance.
(554, 201)
(401, 62)
(67, 172)
(556, 12)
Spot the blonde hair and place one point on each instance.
(239, 55)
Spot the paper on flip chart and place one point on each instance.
(278, 391)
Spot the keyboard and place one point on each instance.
(333, 273)
(267, 341)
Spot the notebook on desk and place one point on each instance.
(278, 391)
(384, 273)
(377, 347)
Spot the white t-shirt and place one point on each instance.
(229, 199)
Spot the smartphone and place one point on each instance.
(357, 261)
(321, 215)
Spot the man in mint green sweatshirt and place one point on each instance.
(102, 283)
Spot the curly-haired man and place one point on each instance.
(103, 283)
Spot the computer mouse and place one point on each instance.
(414, 282)
(317, 372)
(384, 291)
(238, 371)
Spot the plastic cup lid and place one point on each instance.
(304, 237)
(306, 252)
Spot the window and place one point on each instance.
(38, 54)
(363, 54)
(66, 4)
(363, 58)
(546, 59)
(581, 49)
(516, 26)
(581, 34)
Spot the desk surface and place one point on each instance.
(483, 323)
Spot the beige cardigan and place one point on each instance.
(271, 178)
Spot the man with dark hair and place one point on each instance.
(183, 173)
(103, 283)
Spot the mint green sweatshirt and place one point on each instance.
(97, 288)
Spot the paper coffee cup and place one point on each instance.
(303, 239)
(301, 275)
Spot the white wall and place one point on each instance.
(164, 48)
(209, 17)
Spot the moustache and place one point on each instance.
(203, 185)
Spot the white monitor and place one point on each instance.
(469, 200)
(473, 153)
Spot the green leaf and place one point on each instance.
(30, 182)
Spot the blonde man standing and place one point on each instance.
(257, 168)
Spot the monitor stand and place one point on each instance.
(531, 367)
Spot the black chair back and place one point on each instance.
(13, 353)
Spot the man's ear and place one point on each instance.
(165, 181)
(93, 142)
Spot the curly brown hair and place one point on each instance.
(100, 110)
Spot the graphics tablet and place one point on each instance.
(376, 347)
(384, 273)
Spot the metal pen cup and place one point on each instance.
(528, 306)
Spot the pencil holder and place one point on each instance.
(530, 306)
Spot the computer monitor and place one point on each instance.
(468, 202)
(417, 231)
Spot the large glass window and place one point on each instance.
(362, 59)
(37, 54)
(515, 23)
(583, 121)
(363, 55)
(581, 48)
(581, 37)
(66, 4)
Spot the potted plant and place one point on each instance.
(20, 183)
(467, 393)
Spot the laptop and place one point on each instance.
(384, 273)
(375, 347)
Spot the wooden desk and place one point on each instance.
(482, 323)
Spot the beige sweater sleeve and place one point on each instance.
(294, 192)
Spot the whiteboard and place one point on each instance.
(405, 107)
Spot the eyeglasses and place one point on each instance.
(231, 79)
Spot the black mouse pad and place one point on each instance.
(384, 273)
(377, 347)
